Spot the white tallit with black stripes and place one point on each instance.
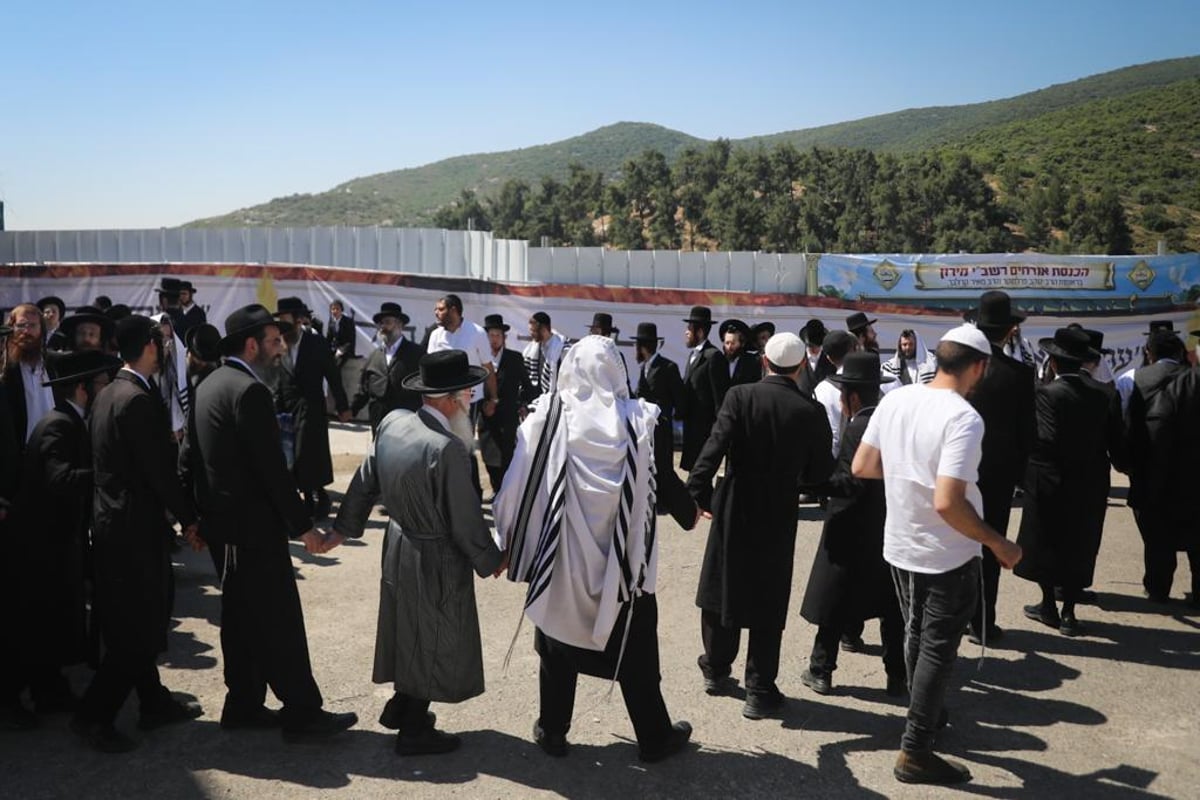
(577, 506)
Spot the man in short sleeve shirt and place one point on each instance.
(925, 442)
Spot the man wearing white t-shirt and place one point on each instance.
(925, 442)
(455, 333)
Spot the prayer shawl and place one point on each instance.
(543, 362)
(577, 507)
(897, 367)
(173, 382)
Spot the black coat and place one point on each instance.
(776, 440)
(380, 388)
(810, 377)
(1079, 431)
(498, 433)
(136, 484)
(1004, 398)
(697, 405)
(849, 581)
(748, 369)
(53, 519)
(300, 391)
(1147, 465)
(235, 460)
(341, 336)
(183, 321)
(661, 384)
(1173, 435)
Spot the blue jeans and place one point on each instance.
(936, 609)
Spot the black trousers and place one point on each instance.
(823, 660)
(721, 648)
(120, 673)
(263, 640)
(639, 678)
(997, 508)
(1161, 557)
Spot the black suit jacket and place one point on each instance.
(380, 388)
(300, 391)
(747, 369)
(513, 391)
(662, 385)
(697, 407)
(1146, 465)
(341, 336)
(810, 377)
(185, 321)
(235, 458)
(1004, 398)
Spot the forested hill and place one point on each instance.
(1132, 135)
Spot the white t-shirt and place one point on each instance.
(472, 340)
(830, 396)
(921, 433)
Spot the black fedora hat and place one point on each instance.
(1157, 325)
(117, 312)
(995, 311)
(858, 321)
(52, 300)
(1070, 344)
(245, 321)
(700, 315)
(169, 286)
(495, 322)
(813, 333)
(758, 329)
(87, 314)
(646, 332)
(444, 371)
(204, 341)
(391, 310)
(735, 325)
(602, 320)
(69, 366)
(291, 305)
(1096, 341)
(185, 286)
(861, 368)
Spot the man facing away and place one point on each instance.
(427, 642)
(925, 441)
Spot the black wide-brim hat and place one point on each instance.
(733, 325)
(444, 371)
(170, 287)
(858, 321)
(495, 322)
(52, 300)
(205, 341)
(814, 332)
(292, 305)
(700, 315)
(763, 326)
(69, 366)
(860, 369)
(246, 320)
(995, 311)
(87, 314)
(1071, 345)
(601, 319)
(391, 310)
(646, 332)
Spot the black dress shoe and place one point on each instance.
(676, 741)
(168, 713)
(101, 737)
(1039, 613)
(319, 727)
(1155, 597)
(430, 741)
(392, 716)
(818, 682)
(255, 719)
(929, 768)
(719, 687)
(552, 744)
(897, 686)
(761, 706)
(1070, 626)
(853, 644)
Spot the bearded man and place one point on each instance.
(25, 372)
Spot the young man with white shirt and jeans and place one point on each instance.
(925, 441)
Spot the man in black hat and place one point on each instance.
(737, 366)
(251, 509)
(1004, 398)
(697, 407)
(87, 329)
(187, 315)
(168, 296)
(775, 439)
(849, 581)
(602, 325)
(203, 354)
(837, 347)
(659, 382)
(498, 432)
(299, 385)
(53, 519)
(428, 643)
(381, 388)
(53, 311)
(863, 328)
(1079, 438)
(759, 335)
(341, 336)
(1152, 510)
(815, 368)
(135, 487)
(1125, 381)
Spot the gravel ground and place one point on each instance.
(1112, 714)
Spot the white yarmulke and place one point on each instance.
(969, 336)
(785, 350)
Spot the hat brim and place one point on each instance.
(111, 364)
(505, 328)
(699, 320)
(1054, 350)
(241, 333)
(106, 324)
(1014, 318)
(842, 380)
(475, 376)
(404, 320)
(862, 326)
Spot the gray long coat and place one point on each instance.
(427, 639)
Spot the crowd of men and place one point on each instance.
(123, 435)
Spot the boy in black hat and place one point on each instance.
(698, 405)
(188, 315)
(498, 431)
(54, 310)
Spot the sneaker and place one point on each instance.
(168, 712)
(853, 644)
(761, 706)
(676, 741)
(429, 741)
(929, 768)
(1039, 613)
(102, 737)
(319, 727)
(552, 744)
(820, 683)
(897, 686)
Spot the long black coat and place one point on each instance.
(661, 384)
(299, 391)
(1173, 435)
(747, 370)
(498, 433)
(341, 336)
(183, 321)
(1004, 398)
(810, 377)
(1079, 432)
(1148, 466)
(136, 483)
(697, 407)
(776, 440)
(53, 518)
(380, 388)
(849, 581)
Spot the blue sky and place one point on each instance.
(148, 114)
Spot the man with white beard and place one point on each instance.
(427, 642)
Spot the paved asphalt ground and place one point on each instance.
(1114, 714)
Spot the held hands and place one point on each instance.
(318, 543)
(503, 566)
(344, 415)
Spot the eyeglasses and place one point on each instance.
(27, 326)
